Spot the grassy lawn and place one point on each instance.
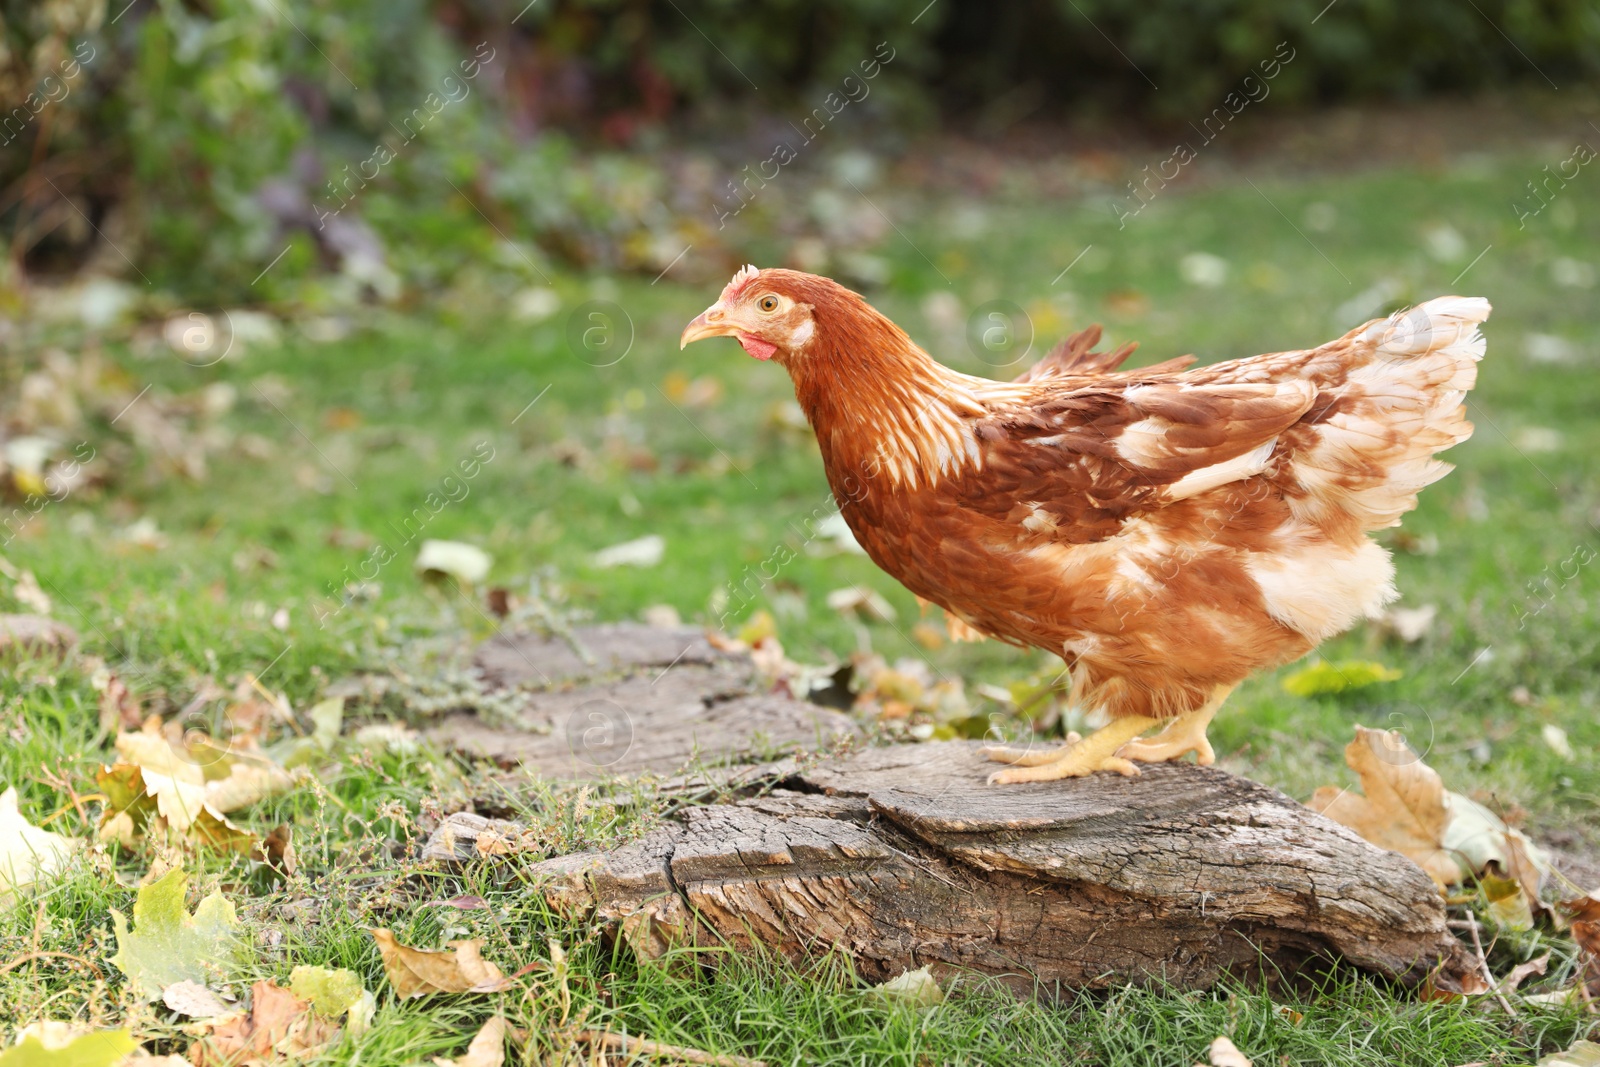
(336, 445)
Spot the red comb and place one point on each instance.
(746, 275)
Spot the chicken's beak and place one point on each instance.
(712, 322)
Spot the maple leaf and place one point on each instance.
(1407, 809)
(1404, 809)
(58, 1044)
(162, 789)
(167, 945)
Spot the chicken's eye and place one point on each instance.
(768, 303)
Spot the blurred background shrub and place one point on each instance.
(378, 147)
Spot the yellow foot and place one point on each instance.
(1097, 752)
(1182, 735)
(1028, 757)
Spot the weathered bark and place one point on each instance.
(905, 856)
(624, 699)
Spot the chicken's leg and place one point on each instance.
(1184, 734)
(1097, 752)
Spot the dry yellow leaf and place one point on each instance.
(1407, 809)
(1404, 808)
(418, 972)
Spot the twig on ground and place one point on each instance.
(1483, 962)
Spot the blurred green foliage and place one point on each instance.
(376, 149)
(1176, 59)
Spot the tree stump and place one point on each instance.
(906, 856)
(624, 699)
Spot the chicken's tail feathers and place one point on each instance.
(1445, 329)
(1370, 442)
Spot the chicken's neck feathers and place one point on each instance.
(883, 408)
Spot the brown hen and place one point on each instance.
(1166, 531)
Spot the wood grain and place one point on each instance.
(905, 856)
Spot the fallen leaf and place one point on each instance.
(167, 945)
(1224, 1053)
(26, 591)
(911, 989)
(662, 617)
(1582, 1054)
(119, 708)
(1523, 971)
(1404, 808)
(327, 718)
(1586, 934)
(859, 600)
(27, 853)
(833, 534)
(247, 783)
(35, 635)
(1508, 907)
(757, 628)
(1477, 837)
(488, 1048)
(277, 850)
(144, 803)
(1320, 677)
(1556, 738)
(1410, 624)
(190, 998)
(163, 789)
(418, 972)
(1585, 908)
(467, 564)
(278, 1027)
(331, 991)
(1528, 864)
(640, 552)
(1407, 809)
(53, 1044)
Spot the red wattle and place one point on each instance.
(757, 347)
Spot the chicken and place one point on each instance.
(1166, 531)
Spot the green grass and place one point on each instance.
(372, 424)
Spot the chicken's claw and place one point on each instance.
(1097, 752)
(1028, 757)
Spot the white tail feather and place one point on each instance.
(1399, 403)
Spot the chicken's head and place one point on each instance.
(766, 310)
